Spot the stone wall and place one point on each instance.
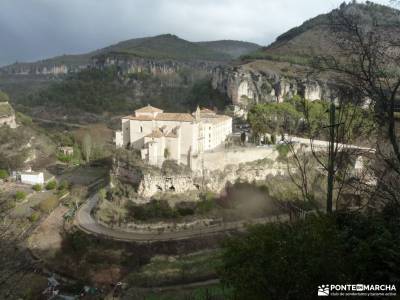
(248, 165)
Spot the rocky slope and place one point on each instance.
(267, 81)
(280, 70)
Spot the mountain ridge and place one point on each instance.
(159, 47)
(300, 43)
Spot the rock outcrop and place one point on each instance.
(248, 84)
(55, 69)
(148, 183)
(128, 64)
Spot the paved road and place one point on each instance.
(86, 222)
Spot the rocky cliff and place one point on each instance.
(267, 81)
(128, 64)
(148, 183)
(42, 68)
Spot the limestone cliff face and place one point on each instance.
(40, 69)
(149, 183)
(243, 85)
(131, 65)
(126, 64)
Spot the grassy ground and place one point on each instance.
(209, 292)
(83, 175)
(162, 270)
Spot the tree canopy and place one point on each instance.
(290, 260)
(4, 97)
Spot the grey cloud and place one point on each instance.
(36, 29)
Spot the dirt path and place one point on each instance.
(46, 239)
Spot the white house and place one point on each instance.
(159, 135)
(31, 177)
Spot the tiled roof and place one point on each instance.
(180, 117)
(139, 118)
(215, 119)
(149, 109)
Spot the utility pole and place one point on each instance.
(331, 158)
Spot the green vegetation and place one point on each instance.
(4, 97)
(349, 247)
(152, 210)
(165, 46)
(214, 291)
(20, 195)
(64, 185)
(90, 90)
(37, 187)
(98, 91)
(283, 150)
(274, 118)
(207, 202)
(23, 119)
(5, 109)
(50, 203)
(300, 44)
(51, 185)
(163, 269)
(64, 158)
(13, 150)
(302, 117)
(35, 216)
(3, 174)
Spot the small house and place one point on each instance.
(66, 150)
(31, 177)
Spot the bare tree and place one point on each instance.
(366, 63)
(87, 146)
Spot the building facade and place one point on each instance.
(159, 135)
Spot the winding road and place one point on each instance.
(85, 221)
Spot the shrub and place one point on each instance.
(35, 216)
(205, 205)
(273, 139)
(185, 208)
(51, 185)
(153, 210)
(64, 158)
(37, 187)
(3, 174)
(47, 205)
(64, 185)
(19, 195)
(207, 202)
(283, 150)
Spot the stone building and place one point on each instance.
(159, 135)
(7, 115)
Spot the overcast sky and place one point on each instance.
(36, 29)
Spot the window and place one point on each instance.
(141, 128)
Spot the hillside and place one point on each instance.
(165, 46)
(311, 38)
(282, 69)
(161, 47)
(232, 48)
